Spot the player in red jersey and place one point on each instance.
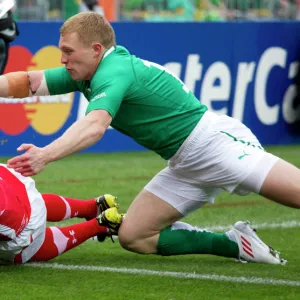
(24, 212)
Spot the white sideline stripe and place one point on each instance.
(286, 224)
(253, 280)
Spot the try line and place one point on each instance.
(145, 272)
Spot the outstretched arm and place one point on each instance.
(82, 134)
(23, 84)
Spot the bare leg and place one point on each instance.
(144, 220)
(282, 184)
(151, 227)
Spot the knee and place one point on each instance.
(128, 241)
(125, 239)
(133, 242)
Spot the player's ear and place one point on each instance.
(98, 48)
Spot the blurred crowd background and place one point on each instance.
(161, 10)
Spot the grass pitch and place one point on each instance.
(105, 271)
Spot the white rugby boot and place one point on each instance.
(252, 248)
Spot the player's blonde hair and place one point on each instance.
(90, 27)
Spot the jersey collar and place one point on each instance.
(108, 51)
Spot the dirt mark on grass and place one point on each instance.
(236, 203)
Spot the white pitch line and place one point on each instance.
(247, 280)
(286, 224)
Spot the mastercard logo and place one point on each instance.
(46, 114)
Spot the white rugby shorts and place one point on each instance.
(221, 153)
(27, 243)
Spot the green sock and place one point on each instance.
(182, 238)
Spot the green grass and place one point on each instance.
(125, 174)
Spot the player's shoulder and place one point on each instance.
(116, 63)
(121, 50)
(118, 56)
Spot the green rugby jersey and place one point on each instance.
(146, 101)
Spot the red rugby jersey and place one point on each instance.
(15, 207)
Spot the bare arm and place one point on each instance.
(82, 134)
(23, 84)
(37, 83)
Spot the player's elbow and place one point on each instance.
(98, 122)
(96, 131)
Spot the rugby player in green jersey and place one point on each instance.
(206, 153)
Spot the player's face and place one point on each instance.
(80, 60)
